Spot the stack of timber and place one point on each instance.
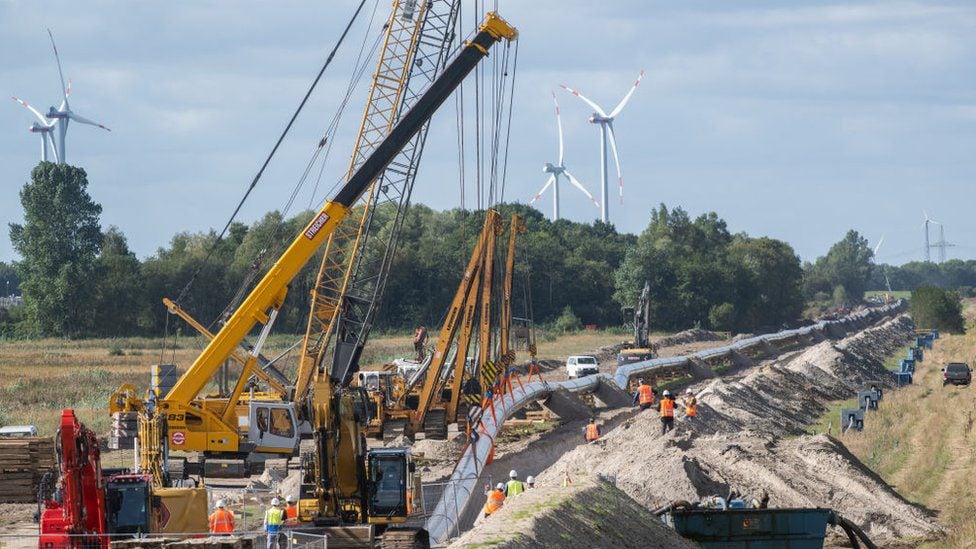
(23, 461)
(230, 542)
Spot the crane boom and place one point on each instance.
(264, 301)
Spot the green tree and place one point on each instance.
(58, 244)
(847, 264)
(120, 295)
(937, 308)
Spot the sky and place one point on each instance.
(797, 120)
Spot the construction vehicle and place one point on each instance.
(641, 348)
(90, 508)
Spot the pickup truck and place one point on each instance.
(579, 366)
(957, 373)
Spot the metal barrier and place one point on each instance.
(443, 521)
(289, 539)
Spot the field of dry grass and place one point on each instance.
(923, 443)
(39, 378)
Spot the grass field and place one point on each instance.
(899, 294)
(39, 378)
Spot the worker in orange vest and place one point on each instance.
(690, 404)
(221, 521)
(291, 511)
(496, 498)
(644, 396)
(666, 408)
(592, 431)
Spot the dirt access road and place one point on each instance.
(923, 442)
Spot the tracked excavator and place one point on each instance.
(641, 348)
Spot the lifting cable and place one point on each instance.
(274, 149)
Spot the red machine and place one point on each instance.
(87, 508)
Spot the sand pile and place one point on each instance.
(556, 516)
(738, 442)
(688, 336)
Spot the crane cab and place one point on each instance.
(272, 427)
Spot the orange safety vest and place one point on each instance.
(222, 522)
(691, 407)
(646, 394)
(667, 407)
(495, 501)
(291, 515)
(592, 432)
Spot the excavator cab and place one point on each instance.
(128, 499)
(393, 490)
(272, 427)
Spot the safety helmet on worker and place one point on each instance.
(220, 504)
(500, 486)
(689, 391)
(275, 502)
(530, 479)
(641, 381)
(290, 499)
(667, 393)
(513, 473)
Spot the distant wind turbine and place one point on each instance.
(605, 121)
(557, 170)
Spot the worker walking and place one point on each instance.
(690, 404)
(514, 486)
(291, 511)
(496, 498)
(644, 396)
(274, 518)
(592, 431)
(667, 412)
(221, 520)
(419, 342)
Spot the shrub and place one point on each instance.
(722, 317)
(937, 308)
(568, 321)
(115, 350)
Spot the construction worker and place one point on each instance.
(221, 520)
(419, 342)
(274, 518)
(514, 486)
(690, 404)
(666, 408)
(644, 396)
(291, 511)
(529, 482)
(592, 431)
(496, 498)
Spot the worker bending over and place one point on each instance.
(274, 518)
(592, 431)
(496, 498)
(221, 521)
(529, 482)
(666, 408)
(514, 486)
(644, 396)
(690, 404)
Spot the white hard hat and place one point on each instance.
(513, 473)
(530, 479)
(689, 391)
(220, 504)
(667, 393)
(290, 499)
(500, 486)
(275, 502)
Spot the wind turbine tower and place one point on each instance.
(605, 121)
(56, 119)
(558, 170)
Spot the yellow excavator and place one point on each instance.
(345, 484)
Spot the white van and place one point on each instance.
(579, 366)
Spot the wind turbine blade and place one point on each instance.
(40, 117)
(880, 242)
(580, 186)
(58, 59)
(83, 120)
(623, 102)
(538, 195)
(616, 161)
(559, 126)
(587, 101)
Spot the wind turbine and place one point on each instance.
(605, 121)
(928, 246)
(557, 170)
(883, 272)
(59, 117)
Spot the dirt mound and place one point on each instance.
(553, 515)
(693, 335)
(737, 442)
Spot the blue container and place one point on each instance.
(903, 378)
(906, 365)
(935, 334)
(752, 528)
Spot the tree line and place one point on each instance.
(78, 280)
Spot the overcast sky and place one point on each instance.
(791, 119)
